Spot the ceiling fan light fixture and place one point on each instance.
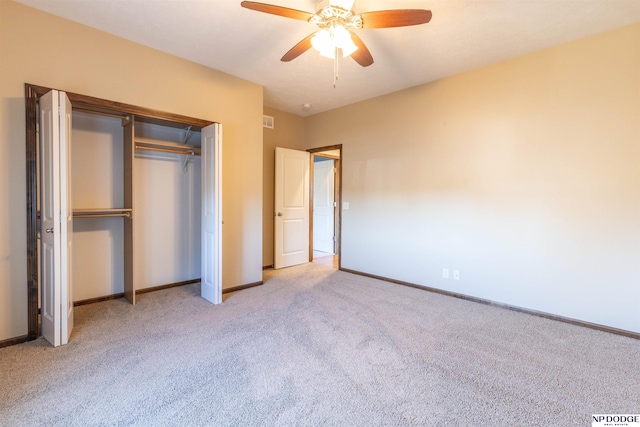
(342, 40)
(326, 41)
(348, 50)
(323, 44)
(335, 20)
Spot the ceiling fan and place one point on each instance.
(336, 18)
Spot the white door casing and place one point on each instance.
(291, 237)
(56, 218)
(211, 287)
(323, 206)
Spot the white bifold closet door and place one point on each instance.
(56, 225)
(211, 240)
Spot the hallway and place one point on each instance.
(326, 259)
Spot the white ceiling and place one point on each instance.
(463, 35)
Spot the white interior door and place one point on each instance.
(211, 287)
(291, 208)
(323, 205)
(56, 217)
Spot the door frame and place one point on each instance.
(80, 103)
(315, 152)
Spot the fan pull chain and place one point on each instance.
(335, 67)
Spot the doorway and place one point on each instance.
(325, 218)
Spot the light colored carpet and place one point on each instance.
(315, 346)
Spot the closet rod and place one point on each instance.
(100, 215)
(167, 150)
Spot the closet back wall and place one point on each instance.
(97, 182)
(167, 212)
(43, 49)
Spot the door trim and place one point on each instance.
(337, 198)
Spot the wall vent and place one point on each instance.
(267, 122)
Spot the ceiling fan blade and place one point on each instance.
(395, 18)
(300, 48)
(277, 10)
(362, 56)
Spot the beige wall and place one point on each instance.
(39, 48)
(523, 175)
(288, 132)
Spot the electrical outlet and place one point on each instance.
(456, 274)
(445, 273)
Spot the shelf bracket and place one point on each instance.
(186, 132)
(186, 161)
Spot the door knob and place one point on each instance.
(279, 213)
(49, 230)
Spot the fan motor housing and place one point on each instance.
(324, 4)
(328, 15)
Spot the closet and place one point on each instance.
(120, 200)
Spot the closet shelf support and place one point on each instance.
(186, 160)
(187, 133)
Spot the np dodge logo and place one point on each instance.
(615, 420)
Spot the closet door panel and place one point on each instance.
(56, 227)
(211, 287)
(50, 217)
(66, 219)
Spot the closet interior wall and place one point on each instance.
(140, 222)
(167, 197)
(97, 189)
